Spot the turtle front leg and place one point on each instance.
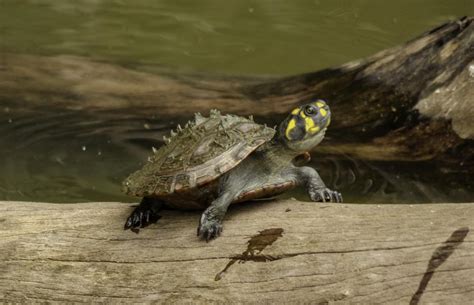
(210, 223)
(315, 186)
(143, 215)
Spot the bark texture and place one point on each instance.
(412, 102)
(271, 252)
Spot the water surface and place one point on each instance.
(72, 156)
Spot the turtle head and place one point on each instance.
(305, 127)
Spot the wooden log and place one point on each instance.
(270, 252)
(412, 102)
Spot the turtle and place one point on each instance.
(222, 159)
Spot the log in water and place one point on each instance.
(405, 104)
(399, 99)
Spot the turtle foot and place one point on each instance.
(141, 217)
(209, 228)
(325, 195)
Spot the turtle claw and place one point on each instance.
(325, 195)
(141, 217)
(209, 229)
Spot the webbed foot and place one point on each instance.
(209, 227)
(324, 195)
(143, 215)
(315, 186)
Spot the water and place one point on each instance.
(240, 36)
(74, 156)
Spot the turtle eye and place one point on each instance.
(309, 110)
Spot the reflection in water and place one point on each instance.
(394, 182)
(72, 156)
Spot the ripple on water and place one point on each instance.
(74, 156)
(71, 156)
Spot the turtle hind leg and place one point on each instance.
(144, 214)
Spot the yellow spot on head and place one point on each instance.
(309, 123)
(311, 127)
(323, 112)
(289, 128)
(320, 104)
(295, 111)
(329, 121)
(314, 129)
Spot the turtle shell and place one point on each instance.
(198, 154)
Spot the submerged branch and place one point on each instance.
(411, 102)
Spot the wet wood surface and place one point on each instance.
(270, 252)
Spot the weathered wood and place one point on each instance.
(306, 252)
(411, 102)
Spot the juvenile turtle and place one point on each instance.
(222, 159)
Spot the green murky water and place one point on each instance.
(239, 36)
(71, 157)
